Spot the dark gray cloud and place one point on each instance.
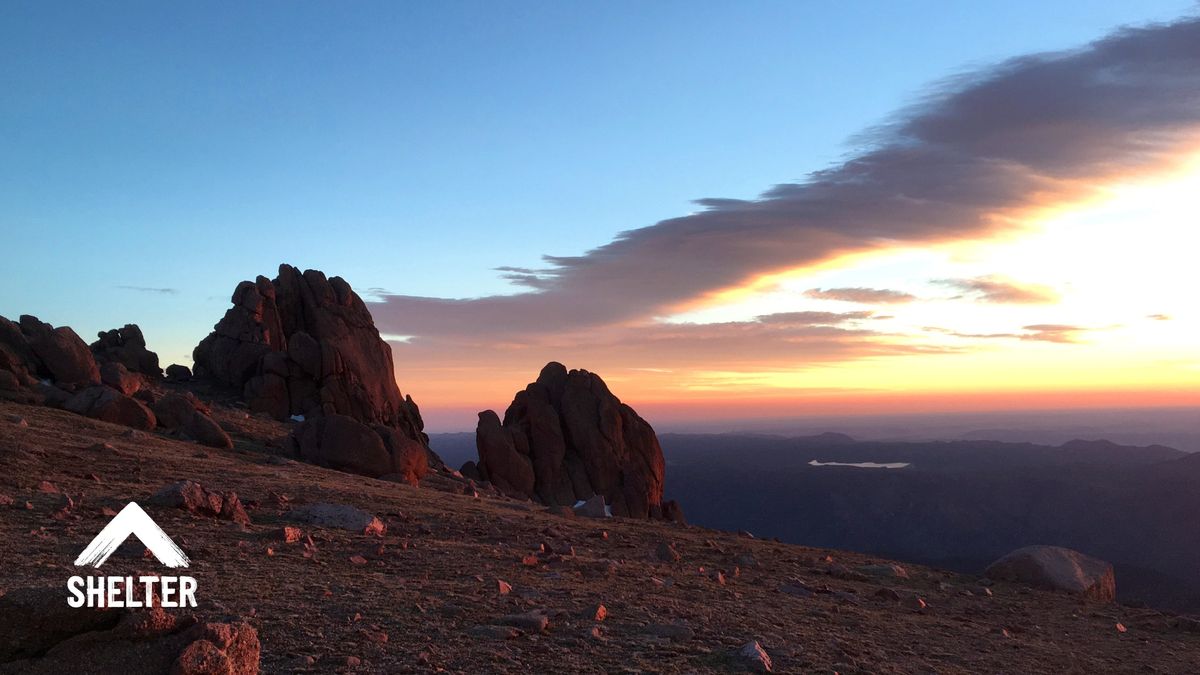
(964, 162)
(866, 296)
(995, 289)
(150, 289)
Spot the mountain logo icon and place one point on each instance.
(132, 520)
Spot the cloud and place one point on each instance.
(973, 158)
(995, 289)
(813, 318)
(1042, 332)
(865, 296)
(1159, 317)
(149, 289)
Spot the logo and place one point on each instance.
(116, 591)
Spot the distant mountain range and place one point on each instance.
(957, 504)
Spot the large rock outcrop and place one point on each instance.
(306, 345)
(567, 438)
(1057, 568)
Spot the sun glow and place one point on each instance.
(1123, 269)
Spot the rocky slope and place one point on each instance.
(431, 580)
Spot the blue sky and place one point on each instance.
(416, 146)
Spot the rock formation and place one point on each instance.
(566, 438)
(304, 345)
(1057, 568)
(35, 350)
(126, 346)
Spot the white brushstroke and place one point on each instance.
(132, 520)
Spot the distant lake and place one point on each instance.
(862, 465)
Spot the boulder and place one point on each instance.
(178, 373)
(195, 498)
(341, 516)
(1057, 568)
(41, 635)
(109, 405)
(117, 376)
(342, 442)
(184, 412)
(127, 347)
(565, 439)
(61, 354)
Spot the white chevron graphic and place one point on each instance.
(132, 520)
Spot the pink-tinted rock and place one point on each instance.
(305, 345)
(109, 405)
(1057, 568)
(62, 355)
(127, 347)
(118, 377)
(566, 438)
(341, 442)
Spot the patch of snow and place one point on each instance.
(297, 418)
(863, 465)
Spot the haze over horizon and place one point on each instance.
(884, 221)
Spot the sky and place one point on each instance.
(731, 210)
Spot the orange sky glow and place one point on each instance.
(1087, 302)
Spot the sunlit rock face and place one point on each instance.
(567, 438)
(302, 344)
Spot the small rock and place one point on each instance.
(598, 613)
(887, 570)
(19, 421)
(358, 560)
(288, 534)
(47, 487)
(889, 594)
(592, 508)
(796, 588)
(755, 657)
(494, 632)
(503, 587)
(530, 621)
(1121, 628)
(673, 631)
(915, 603)
(666, 552)
(353, 662)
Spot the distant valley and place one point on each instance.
(958, 504)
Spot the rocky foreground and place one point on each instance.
(485, 583)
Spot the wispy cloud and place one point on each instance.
(1042, 332)
(866, 296)
(995, 289)
(151, 289)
